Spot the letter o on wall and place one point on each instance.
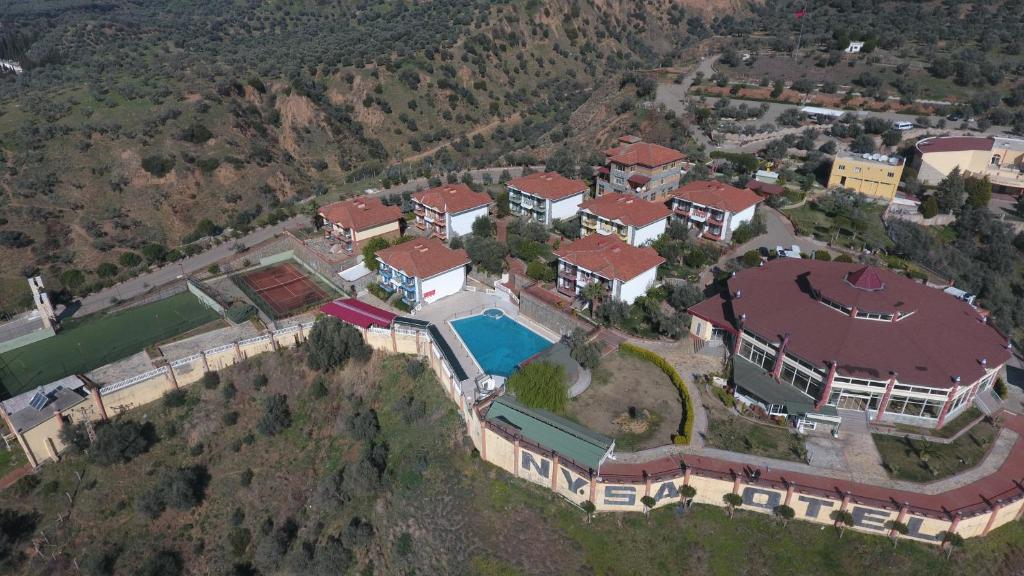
(759, 498)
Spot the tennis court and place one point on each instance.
(99, 339)
(281, 289)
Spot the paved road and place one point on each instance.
(144, 282)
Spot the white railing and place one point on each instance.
(254, 339)
(379, 330)
(133, 380)
(219, 349)
(186, 360)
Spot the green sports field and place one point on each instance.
(97, 340)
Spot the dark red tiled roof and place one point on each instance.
(717, 194)
(765, 188)
(626, 208)
(452, 198)
(643, 154)
(361, 213)
(954, 144)
(358, 313)
(610, 257)
(423, 257)
(549, 185)
(938, 338)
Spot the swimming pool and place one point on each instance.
(498, 342)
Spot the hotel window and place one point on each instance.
(799, 375)
(757, 354)
(874, 316)
(891, 174)
(835, 306)
(918, 407)
(842, 166)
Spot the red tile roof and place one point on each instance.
(610, 257)
(549, 185)
(765, 188)
(361, 213)
(358, 313)
(717, 195)
(626, 208)
(643, 154)
(453, 198)
(954, 144)
(938, 338)
(423, 257)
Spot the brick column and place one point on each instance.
(686, 476)
(593, 487)
(954, 523)
(273, 341)
(846, 502)
(238, 352)
(735, 483)
(948, 404)
(647, 484)
(483, 440)
(394, 341)
(777, 368)
(515, 457)
(901, 518)
(97, 400)
(739, 334)
(827, 389)
(60, 419)
(885, 397)
(554, 471)
(206, 364)
(992, 518)
(171, 375)
(789, 494)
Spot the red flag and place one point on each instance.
(800, 14)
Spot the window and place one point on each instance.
(801, 375)
(842, 166)
(874, 316)
(757, 354)
(891, 174)
(835, 306)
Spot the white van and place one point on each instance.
(903, 125)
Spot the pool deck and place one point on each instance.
(463, 304)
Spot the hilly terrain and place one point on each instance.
(142, 123)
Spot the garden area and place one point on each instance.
(728, 430)
(916, 460)
(843, 219)
(634, 402)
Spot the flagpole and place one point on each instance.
(802, 14)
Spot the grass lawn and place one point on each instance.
(11, 459)
(730, 432)
(950, 429)
(99, 339)
(921, 461)
(809, 221)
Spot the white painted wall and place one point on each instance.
(736, 219)
(630, 291)
(462, 223)
(649, 233)
(565, 208)
(444, 284)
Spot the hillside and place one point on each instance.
(369, 471)
(134, 122)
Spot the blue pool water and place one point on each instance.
(497, 342)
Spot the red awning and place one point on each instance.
(603, 170)
(358, 313)
(638, 180)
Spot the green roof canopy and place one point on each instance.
(578, 443)
(760, 384)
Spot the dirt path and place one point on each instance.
(490, 126)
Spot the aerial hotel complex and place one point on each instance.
(808, 337)
(448, 211)
(713, 208)
(545, 196)
(1000, 159)
(640, 168)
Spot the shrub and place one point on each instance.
(332, 342)
(750, 259)
(245, 479)
(229, 391)
(175, 398)
(196, 134)
(211, 380)
(276, 416)
(582, 350)
(157, 165)
(129, 259)
(1000, 388)
(844, 258)
(75, 437)
(230, 418)
(163, 563)
(822, 255)
(120, 441)
(540, 385)
(259, 381)
(183, 489)
(540, 271)
(106, 270)
(930, 207)
(686, 427)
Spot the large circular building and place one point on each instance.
(810, 337)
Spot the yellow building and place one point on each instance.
(871, 174)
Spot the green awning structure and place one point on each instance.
(578, 443)
(752, 380)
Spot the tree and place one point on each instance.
(488, 254)
(732, 502)
(688, 493)
(784, 513)
(540, 271)
(777, 88)
(106, 270)
(72, 279)
(930, 207)
(863, 144)
(276, 415)
(979, 191)
(649, 502)
(75, 437)
(951, 540)
(562, 161)
(16, 528)
(842, 519)
(540, 385)
(776, 150)
(370, 249)
(119, 441)
(154, 253)
(951, 192)
(589, 508)
(892, 137)
(503, 208)
(896, 528)
(157, 165)
(483, 227)
(314, 215)
(594, 293)
(582, 350)
(331, 343)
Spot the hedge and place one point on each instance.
(686, 427)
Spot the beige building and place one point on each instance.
(352, 222)
(1000, 159)
(640, 168)
(871, 174)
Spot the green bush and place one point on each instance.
(211, 380)
(822, 255)
(276, 415)
(1000, 388)
(686, 429)
(540, 385)
(751, 259)
(119, 441)
(378, 291)
(158, 166)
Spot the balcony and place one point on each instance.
(716, 217)
(419, 211)
(568, 273)
(698, 215)
(713, 234)
(1010, 176)
(567, 288)
(586, 223)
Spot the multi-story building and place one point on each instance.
(1001, 159)
(634, 220)
(449, 210)
(625, 271)
(545, 196)
(809, 337)
(352, 222)
(714, 208)
(642, 169)
(422, 270)
(874, 175)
